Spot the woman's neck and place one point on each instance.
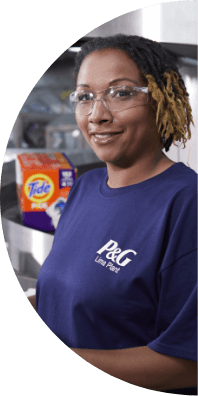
(138, 172)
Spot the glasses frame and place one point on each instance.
(72, 97)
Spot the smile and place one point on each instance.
(104, 138)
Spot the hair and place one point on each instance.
(166, 86)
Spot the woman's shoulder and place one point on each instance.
(182, 187)
(183, 178)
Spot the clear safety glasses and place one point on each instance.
(114, 98)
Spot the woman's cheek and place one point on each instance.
(81, 122)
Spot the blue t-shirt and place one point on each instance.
(122, 269)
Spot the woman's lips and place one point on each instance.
(104, 137)
(97, 135)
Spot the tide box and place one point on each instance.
(43, 184)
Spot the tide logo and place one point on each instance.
(115, 253)
(39, 188)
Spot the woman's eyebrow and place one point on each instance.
(123, 79)
(82, 85)
(112, 82)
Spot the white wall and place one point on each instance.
(179, 22)
(174, 22)
(130, 23)
(189, 154)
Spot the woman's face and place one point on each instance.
(119, 137)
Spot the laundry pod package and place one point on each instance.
(43, 183)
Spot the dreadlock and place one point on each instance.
(166, 86)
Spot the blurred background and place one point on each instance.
(46, 122)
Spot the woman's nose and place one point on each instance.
(100, 113)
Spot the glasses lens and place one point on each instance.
(81, 102)
(122, 98)
(115, 99)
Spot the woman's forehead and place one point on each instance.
(103, 66)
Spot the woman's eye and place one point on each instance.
(122, 93)
(84, 97)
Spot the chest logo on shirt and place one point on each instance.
(115, 254)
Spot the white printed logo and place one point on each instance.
(115, 253)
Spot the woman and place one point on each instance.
(119, 285)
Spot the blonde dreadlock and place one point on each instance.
(173, 111)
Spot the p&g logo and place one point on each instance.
(115, 253)
(39, 188)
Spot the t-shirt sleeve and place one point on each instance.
(176, 324)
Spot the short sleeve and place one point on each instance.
(176, 324)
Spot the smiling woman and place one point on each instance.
(127, 136)
(119, 285)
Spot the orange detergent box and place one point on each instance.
(43, 184)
